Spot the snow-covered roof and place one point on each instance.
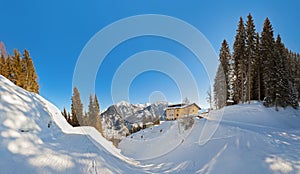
(181, 105)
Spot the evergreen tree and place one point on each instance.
(257, 80)
(69, 120)
(16, 73)
(220, 88)
(91, 111)
(239, 60)
(98, 125)
(64, 113)
(282, 79)
(29, 74)
(3, 66)
(268, 70)
(9, 66)
(225, 58)
(77, 106)
(250, 55)
(94, 113)
(74, 120)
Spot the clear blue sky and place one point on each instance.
(55, 32)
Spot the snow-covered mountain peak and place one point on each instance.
(123, 103)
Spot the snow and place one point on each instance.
(29, 146)
(249, 139)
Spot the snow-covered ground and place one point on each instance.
(248, 139)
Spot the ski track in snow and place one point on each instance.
(249, 139)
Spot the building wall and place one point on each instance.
(175, 113)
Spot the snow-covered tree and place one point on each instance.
(239, 60)
(220, 91)
(77, 106)
(250, 55)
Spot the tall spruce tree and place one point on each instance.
(64, 113)
(74, 120)
(239, 59)
(16, 73)
(94, 113)
(282, 86)
(3, 66)
(77, 106)
(29, 75)
(226, 61)
(97, 115)
(256, 80)
(250, 55)
(269, 69)
(220, 88)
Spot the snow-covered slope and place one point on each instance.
(249, 139)
(35, 138)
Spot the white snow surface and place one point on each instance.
(249, 139)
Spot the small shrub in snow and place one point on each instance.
(186, 122)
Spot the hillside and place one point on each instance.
(118, 119)
(35, 138)
(249, 139)
(28, 145)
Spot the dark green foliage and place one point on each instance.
(263, 69)
(268, 63)
(250, 52)
(257, 73)
(239, 56)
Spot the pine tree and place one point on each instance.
(9, 66)
(257, 80)
(77, 106)
(16, 73)
(226, 62)
(74, 120)
(250, 55)
(268, 70)
(91, 111)
(224, 57)
(220, 88)
(282, 87)
(97, 115)
(29, 74)
(69, 120)
(64, 113)
(3, 66)
(239, 60)
(94, 113)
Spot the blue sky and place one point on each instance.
(55, 32)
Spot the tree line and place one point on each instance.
(260, 68)
(89, 118)
(20, 70)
